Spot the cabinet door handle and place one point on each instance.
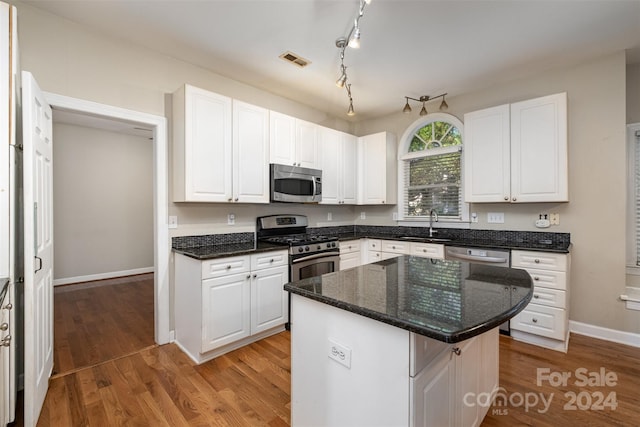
(6, 341)
(4, 326)
(236, 199)
(537, 261)
(9, 306)
(514, 199)
(506, 197)
(248, 276)
(255, 275)
(457, 351)
(534, 320)
(229, 200)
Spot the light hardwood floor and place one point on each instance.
(160, 386)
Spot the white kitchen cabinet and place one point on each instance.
(454, 376)
(338, 161)
(377, 163)
(517, 153)
(350, 254)
(293, 141)
(225, 303)
(545, 320)
(220, 148)
(202, 146)
(428, 250)
(250, 153)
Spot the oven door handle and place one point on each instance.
(315, 256)
(479, 259)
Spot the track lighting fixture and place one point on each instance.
(351, 40)
(424, 99)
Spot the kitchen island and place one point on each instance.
(405, 341)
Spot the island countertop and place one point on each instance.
(450, 301)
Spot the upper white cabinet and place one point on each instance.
(293, 141)
(377, 169)
(517, 153)
(202, 146)
(220, 148)
(250, 153)
(338, 161)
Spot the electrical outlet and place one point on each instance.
(495, 217)
(231, 219)
(363, 215)
(474, 217)
(554, 218)
(329, 216)
(340, 354)
(395, 216)
(173, 221)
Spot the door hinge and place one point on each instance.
(18, 147)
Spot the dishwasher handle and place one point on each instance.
(478, 259)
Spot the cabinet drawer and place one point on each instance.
(269, 259)
(428, 250)
(223, 266)
(374, 244)
(350, 246)
(374, 256)
(395, 247)
(541, 320)
(548, 279)
(549, 297)
(542, 260)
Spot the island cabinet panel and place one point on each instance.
(348, 369)
(350, 254)
(225, 303)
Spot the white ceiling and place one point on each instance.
(409, 48)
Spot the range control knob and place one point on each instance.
(328, 245)
(306, 248)
(300, 249)
(333, 245)
(319, 247)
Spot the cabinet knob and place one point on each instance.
(536, 278)
(236, 199)
(424, 250)
(9, 306)
(383, 202)
(534, 320)
(255, 275)
(514, 199)
(457, 351)
(393, 247)
(4, 326)
(248, 276)
(506, 197)
(537, 261)
(271, 260)
(229, 200)
(536, 296)
(6, 341)
(228, 267)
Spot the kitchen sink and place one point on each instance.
(426, 239)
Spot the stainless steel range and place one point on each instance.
(309, 254)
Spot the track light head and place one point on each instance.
(407, 107)
(351, 111)
(424, 111)
(443, 105)
(354, 42)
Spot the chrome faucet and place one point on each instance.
(432, 213)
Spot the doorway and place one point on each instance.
(95, 113)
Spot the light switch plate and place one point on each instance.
(173, 221)
(363, 215)
(555, 218)
(231, 219)
(495, 217)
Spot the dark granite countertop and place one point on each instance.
(222, 250)
(449, 301)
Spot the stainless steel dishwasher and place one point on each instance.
(495, 257)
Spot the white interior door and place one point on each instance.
(38, 246)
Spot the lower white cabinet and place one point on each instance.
(445, 392)
(225, 303)
(378, 250)
(545, 320)
(350, 254)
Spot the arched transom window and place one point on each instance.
(430, 165)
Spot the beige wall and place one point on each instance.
(69, 60)
(595, 216)
(633, 93)
(103, 201)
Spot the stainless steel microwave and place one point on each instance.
(294, 184)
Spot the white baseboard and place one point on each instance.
(628, 338)
(101, 276)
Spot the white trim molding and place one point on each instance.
(102, 276)
(162, 243)
(613, 335)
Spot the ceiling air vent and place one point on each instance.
(295, 59)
